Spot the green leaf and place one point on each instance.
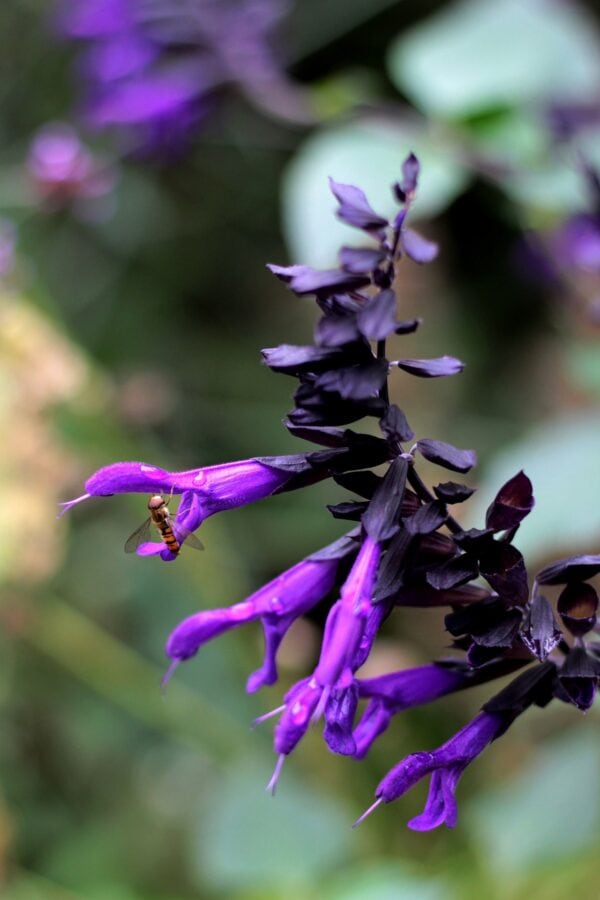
(386, 881)
(480, 54)
(369, 154)
(555, 187)
(254, 840)
(550, 811)
(583, 365)
(561, 459)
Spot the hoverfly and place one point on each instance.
(173, 536)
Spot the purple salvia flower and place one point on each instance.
(222, 485)
(277, 604)
(347, 619)
(401, 558)
(342, 701)
(206, 491)
(448, 762)
(213, 489)
(344, 629)
(445, 765)
(397, 691)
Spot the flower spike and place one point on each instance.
(406, 548)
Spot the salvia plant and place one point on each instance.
(404, 546)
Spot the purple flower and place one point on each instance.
(398, 554)
(577, 243)
(346, 634)
(205, 491)
(397, 691)
(445, 765)
(277, 604)
(448, 762)
(151, 69)
(392, 693)
(64, 172)
(346, 623)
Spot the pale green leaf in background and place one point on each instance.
(368, 154)
(560, 453)
(386, 881)
(550, 810)
(252, 840)
(481, 54)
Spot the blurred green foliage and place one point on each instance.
(138, 337)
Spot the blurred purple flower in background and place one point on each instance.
(65, 174)
(151, 67)
(567, 257)
(577, 242)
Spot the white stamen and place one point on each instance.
(268, 715)
(69, 503)
(368, 812)
(321, 704)
(167, 676)
(272, 785)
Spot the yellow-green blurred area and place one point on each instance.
(138, 337)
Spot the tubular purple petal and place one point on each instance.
(278, 603)
(219, 487)
(274, 630)
(397, 691)
(447, 763)
(151, 548)
(187, 638)
(412, 687)
(339, 719)
(300, 704)
(346, 622)
(441, 807)
(374, 721)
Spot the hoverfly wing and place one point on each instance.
(139, 536)
(182, 534)
(193, 542)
